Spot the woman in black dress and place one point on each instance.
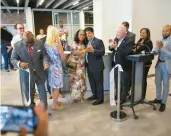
(145, 44)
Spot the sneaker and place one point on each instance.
(155, 101)
(162, 107)
(7, 70)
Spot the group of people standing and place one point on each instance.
(124, 45)
(41, 59)
(44, 57)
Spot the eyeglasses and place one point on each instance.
(20, 28)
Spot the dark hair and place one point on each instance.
(89, 29)
(126, 24)
(15, 26)
(60, 21)
(4, 27)
(148, 33)
(41, 29)
(76, 39)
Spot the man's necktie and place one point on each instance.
(89, 43)
(30, 51)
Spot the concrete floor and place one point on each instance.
(83, 119)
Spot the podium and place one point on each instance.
(137, 86)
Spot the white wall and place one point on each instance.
(153, 14)
(98, 15)
(108, 15)
(114, 13)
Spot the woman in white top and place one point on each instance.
(41, 35)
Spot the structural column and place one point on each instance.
(29, 19)
(82, 20)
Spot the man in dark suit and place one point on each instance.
(129, 34)
(95, 66)
(122, 47)
(31, 55)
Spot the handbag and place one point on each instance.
(71, 65)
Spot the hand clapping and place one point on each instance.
(159, 44)
(90, 48)
(114, 45)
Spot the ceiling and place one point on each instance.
(48, 4)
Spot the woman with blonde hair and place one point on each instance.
(56, 55)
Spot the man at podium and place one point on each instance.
(122, 46)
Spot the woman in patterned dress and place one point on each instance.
(77, 77)
(56, 55)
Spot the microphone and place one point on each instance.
(142, 44)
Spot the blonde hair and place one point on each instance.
(52, 35)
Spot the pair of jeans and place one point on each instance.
(7, 60)
(162, 76)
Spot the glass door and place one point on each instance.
(55, 19)
(70, 22)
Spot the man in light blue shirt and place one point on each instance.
(163, 67)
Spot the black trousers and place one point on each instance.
(146, 70)
(125, 83)
(96, 84)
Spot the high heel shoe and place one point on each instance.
(59, 103)
(57, 107)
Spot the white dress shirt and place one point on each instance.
(119, 43)
(40, 36)
(16, 39)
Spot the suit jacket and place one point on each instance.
(166, 51)
(20, 54)
(124, 49)
(144, 48)
(95, 59)
(5, 35)
(131, 36)
(43, 39)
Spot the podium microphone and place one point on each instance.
(142, 44)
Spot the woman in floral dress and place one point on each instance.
(77, 77)
(56, 56)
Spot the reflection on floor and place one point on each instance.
(83, 119)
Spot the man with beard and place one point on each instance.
(163, 67)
